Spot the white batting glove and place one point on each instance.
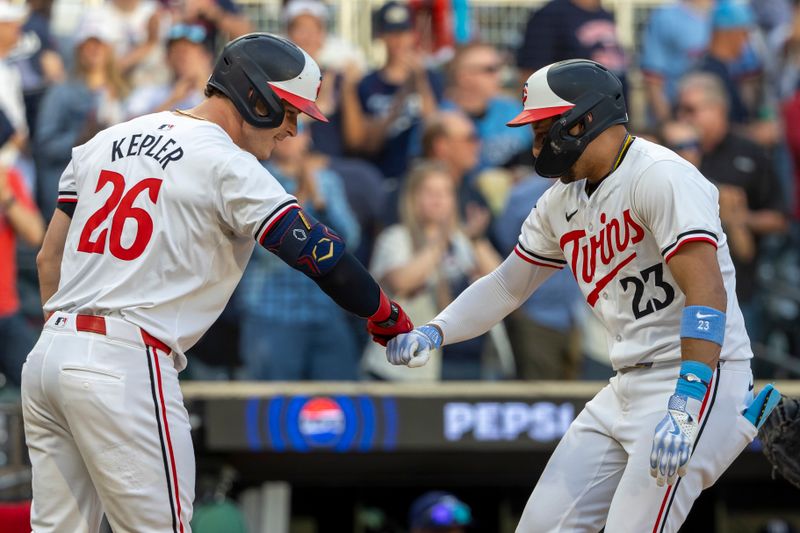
(414, 348)
(673, 439)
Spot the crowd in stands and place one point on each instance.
(416, 168)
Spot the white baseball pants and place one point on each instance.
(599, 474)
(107, 432)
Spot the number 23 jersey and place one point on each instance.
(618, 243)
(167, 212)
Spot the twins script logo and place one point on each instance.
(613, 239)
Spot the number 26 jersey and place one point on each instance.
(167, 212)
(618, 243)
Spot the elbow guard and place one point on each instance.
(304, 244)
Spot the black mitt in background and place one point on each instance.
(780, 435)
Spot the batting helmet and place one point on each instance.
(261, 66)
(573, 90)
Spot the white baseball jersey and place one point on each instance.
(618, 241)
(168, 212)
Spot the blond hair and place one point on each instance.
(421, 171)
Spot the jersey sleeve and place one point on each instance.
(537, 243)
(67, 189)
(678, 205)
(250, 200)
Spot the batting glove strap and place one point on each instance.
(674, 438)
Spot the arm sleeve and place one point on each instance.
(487, 301)
(678, 205)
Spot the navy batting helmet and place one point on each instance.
(261, 66)
(573, 90)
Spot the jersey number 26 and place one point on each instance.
(120, 207)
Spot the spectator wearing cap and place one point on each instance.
(306, 23)
(568, 29)
(439, 512)
(190, 66)
(222, 19)
(675, 38)
(751, 202)
(11, 101)
(731, 22)
(382, 114)
(19, 218)
(74, 111)
(474, 87)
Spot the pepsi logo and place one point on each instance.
(321, 421)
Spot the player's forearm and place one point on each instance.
(490, 299)
(48, 261)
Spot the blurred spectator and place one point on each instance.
(439, 512)
(291, 330)
(569, 29)
(450, 139)
(474, 88)
(731, 21)
(222, 19)
(306, 25)
(37, 58)
(133, 28)
(542, 331)
(682, 138)
(784, 42)
(18, 218)
(73, 112)
(424, 262)
(777, 525)
(675, 38)
(791, 117)
(190, 66)
(12, 105)
(383, 112)
(751, 201)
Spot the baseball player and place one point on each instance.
(639, 228)
(156, 220)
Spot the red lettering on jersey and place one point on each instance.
(612, 240)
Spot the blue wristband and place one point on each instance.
(705, 323)
(432, 332)
(694, 379)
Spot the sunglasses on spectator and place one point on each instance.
(689, 144)
(470, 137)
(190, 32)
(486, 69)
(688, 109)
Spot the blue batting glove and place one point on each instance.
(673, 439)
(414, 348)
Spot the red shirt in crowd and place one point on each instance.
(9, 299)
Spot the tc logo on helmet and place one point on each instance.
(524, 93)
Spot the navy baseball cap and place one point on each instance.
(438, 509)
(393, 17)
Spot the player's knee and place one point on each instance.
(305, 244)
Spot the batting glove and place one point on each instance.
(414, 348)
(388, 321)
(674, 438)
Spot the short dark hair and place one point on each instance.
(213, 91)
